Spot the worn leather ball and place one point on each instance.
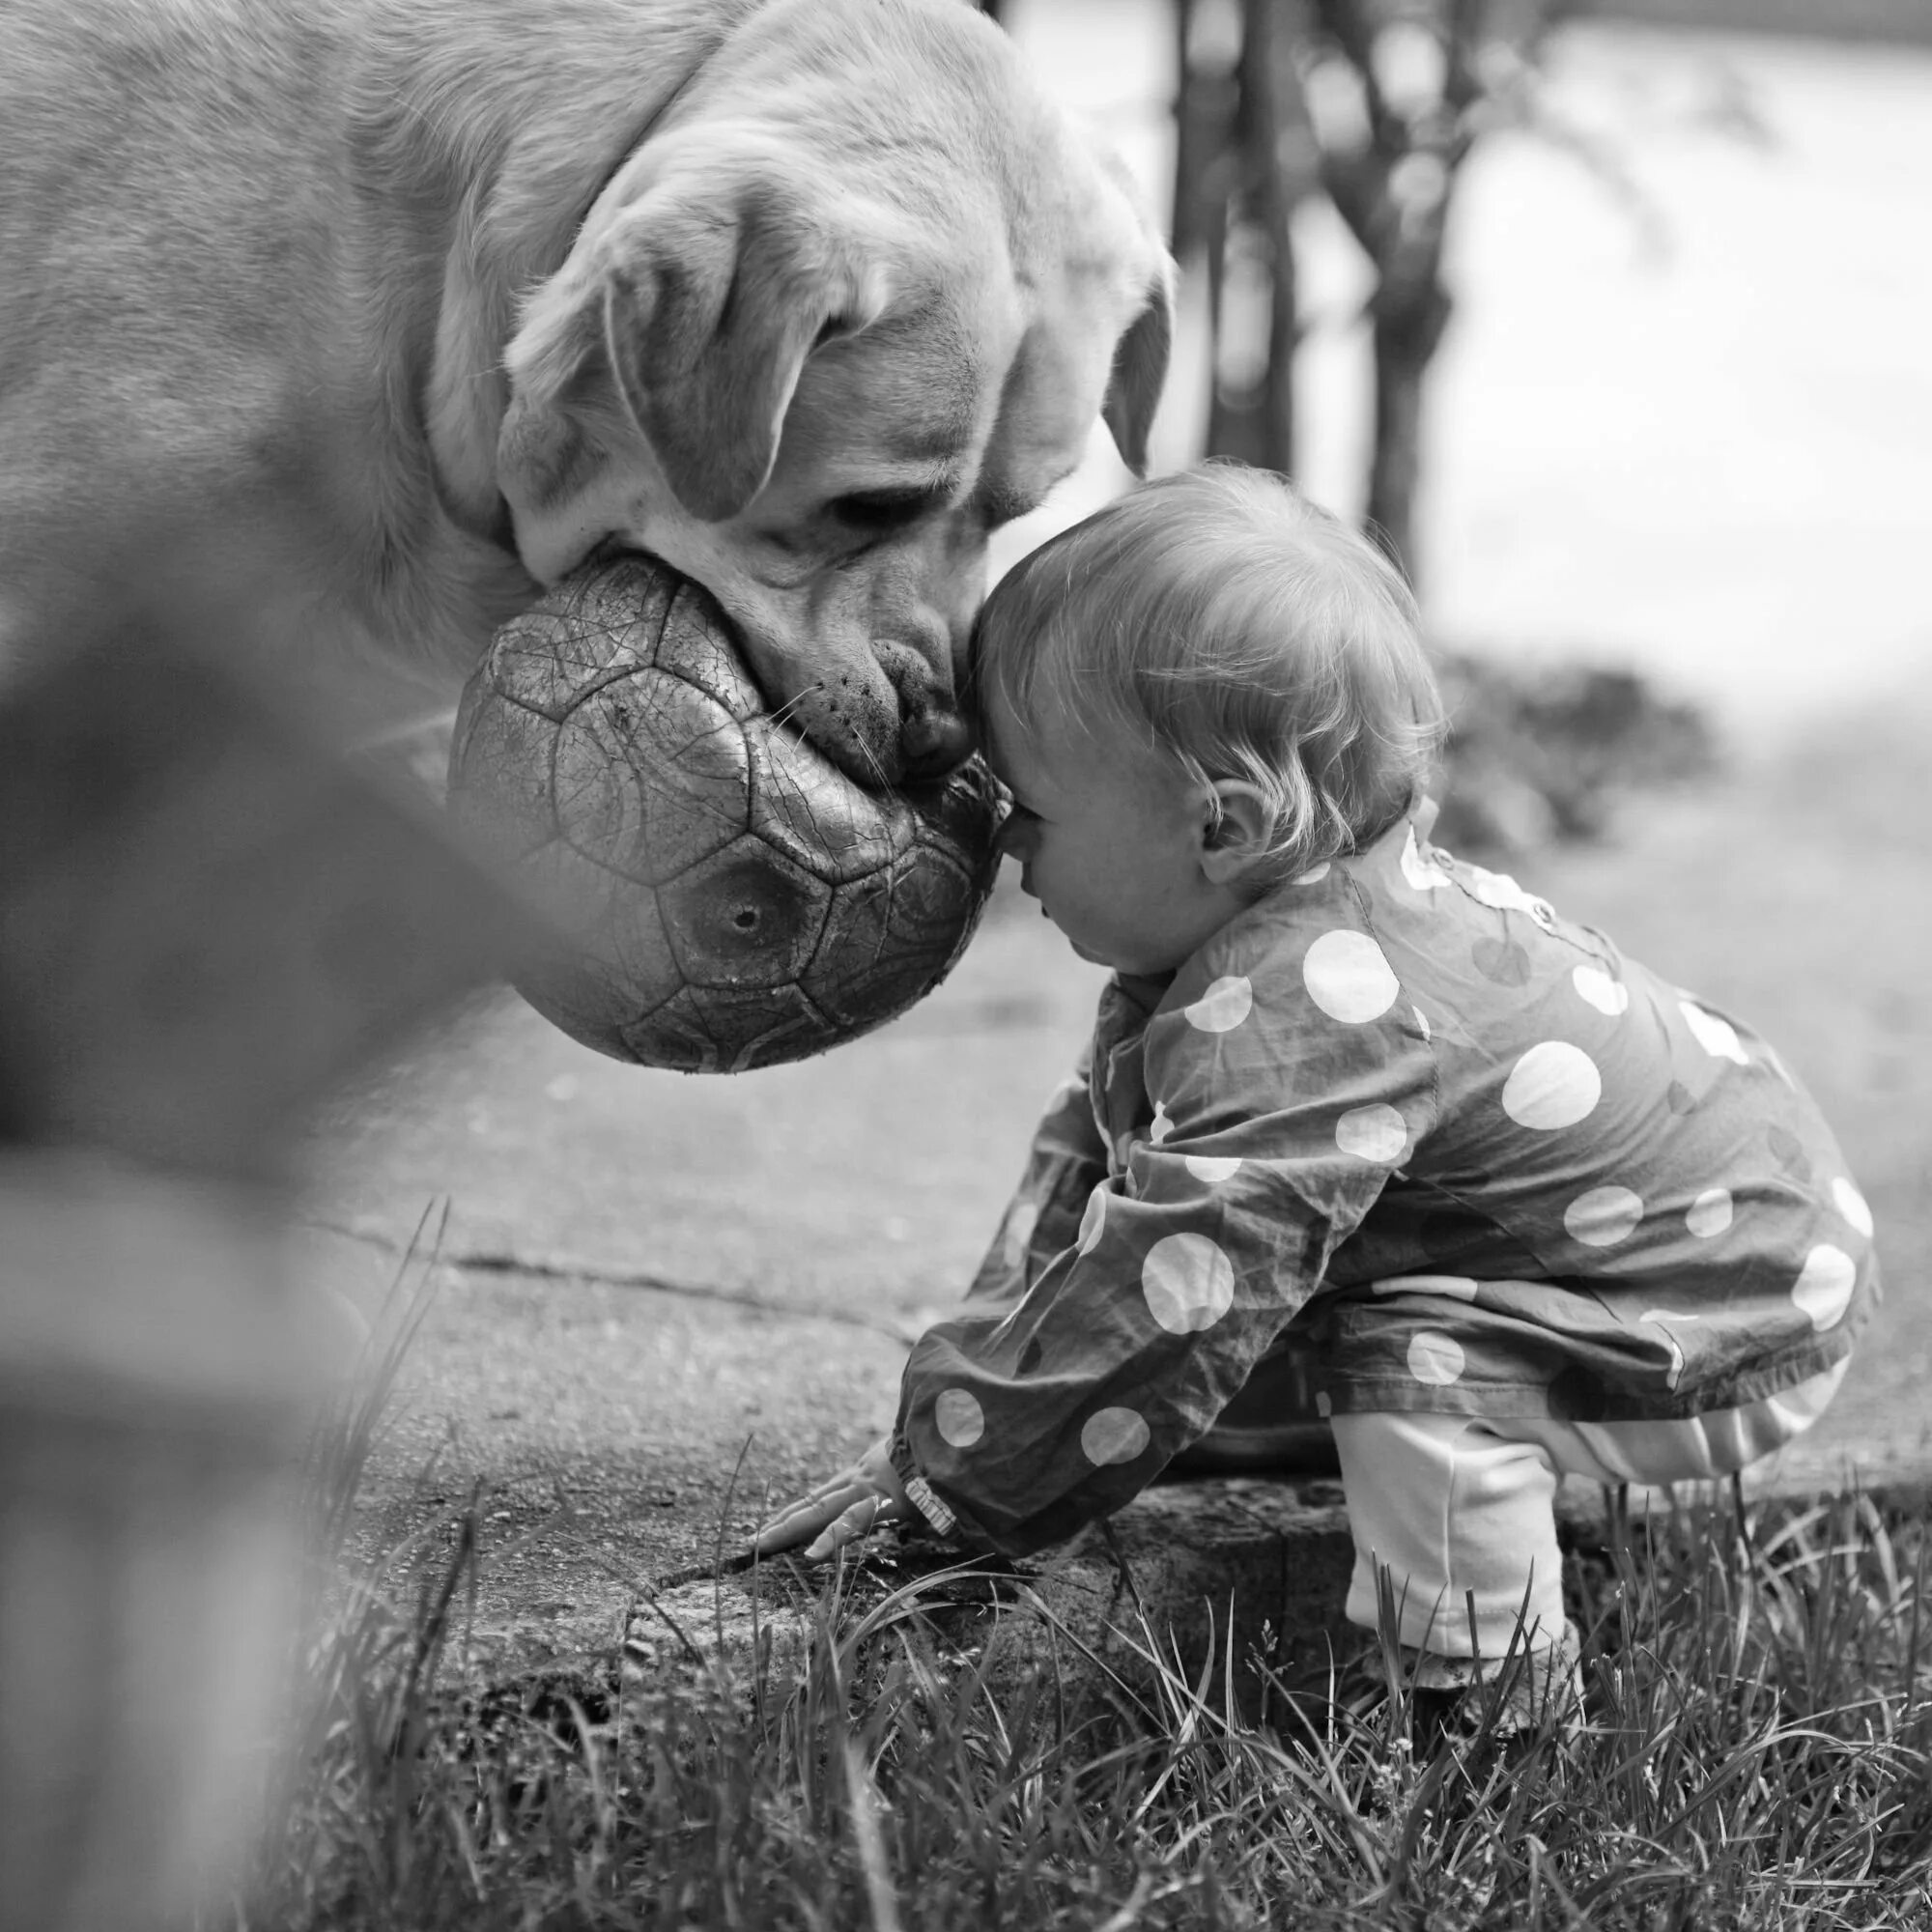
(724, 896)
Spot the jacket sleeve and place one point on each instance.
(1067, 1161)
(1027, 1415)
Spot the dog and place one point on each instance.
(331, 331)
(435, 299)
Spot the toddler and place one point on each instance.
(1536, 1209)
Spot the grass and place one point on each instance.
(1757, 1749)
(1757, 1753)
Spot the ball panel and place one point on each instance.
(716, 1030)
(802, 808)
(500, 774)
(576, 1001)
(612, 963)
(747, 917)
(650, 777)
(591, 626)
(695, 645)
(890, 939)
(858, 1000)
(864, 963)
(631, 954)
(932, 892)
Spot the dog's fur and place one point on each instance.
(428, 299)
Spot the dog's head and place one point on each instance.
(859, 299)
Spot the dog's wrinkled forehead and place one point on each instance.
(917, 391)
(986, 369)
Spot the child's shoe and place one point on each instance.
(1502, 1697)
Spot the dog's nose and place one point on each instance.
(932, 741)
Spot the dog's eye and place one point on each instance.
(878, 512)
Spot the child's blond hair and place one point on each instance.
(1239, 630)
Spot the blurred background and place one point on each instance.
(1602, 316)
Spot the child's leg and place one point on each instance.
(1450, 1508)
(1455, 1505)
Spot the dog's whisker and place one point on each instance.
(871, 757)
(782, 715)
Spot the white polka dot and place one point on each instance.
(1718, 1038)
(1824, 1285)
(1602, 1216)
(1434, 1357)
(1113, 1435)
(1611, 997)
(1211, 1168)
(1852, 1205)
(1223, 1007)
(1162, 1126)
(1500, 891)
(1420, 872)
(1451, 1287)
(1188, 1281)
(1314, 875)
(1553, 1085)
(1021, 1221)
(958, 1418)
(1422, 1021)
(1376, 1132)
(1348, 977)
(1709, 1214)
(1093, 1222)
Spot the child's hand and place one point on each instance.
(847, 1506)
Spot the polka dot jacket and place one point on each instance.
(1489, 1165)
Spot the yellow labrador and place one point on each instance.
(429, 300)
(344, 324)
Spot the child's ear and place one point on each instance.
(1237, 837)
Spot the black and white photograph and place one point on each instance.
(965, 965)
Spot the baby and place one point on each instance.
(1535, 1208)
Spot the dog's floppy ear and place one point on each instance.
(1140, 372)
(709, 315)
(691, 314)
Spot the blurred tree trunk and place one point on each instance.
(1392, 185)
(1240, 165)
(1401, 94)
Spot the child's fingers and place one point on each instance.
(797, 1522)
(813, 1512)
(861, 1494)
(858, 1521)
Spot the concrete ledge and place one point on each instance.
(1275, 1556)
(1260, 1562)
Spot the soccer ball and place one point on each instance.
(724, 897)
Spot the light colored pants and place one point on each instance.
(1455, 1506)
